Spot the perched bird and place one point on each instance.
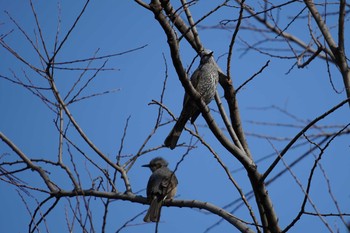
(204, 79)
(161, 185)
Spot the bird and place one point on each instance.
(204, 79)
(161, 185)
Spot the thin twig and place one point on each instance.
(313, 122)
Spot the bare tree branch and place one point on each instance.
(284, 151)
(29, 163)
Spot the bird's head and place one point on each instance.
(156, 163)
(206, 55)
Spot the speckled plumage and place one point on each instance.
(204, 79)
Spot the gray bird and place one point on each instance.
(204, 79)
(161, 185)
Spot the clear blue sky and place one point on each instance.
(117, 26)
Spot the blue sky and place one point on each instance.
(117, 26)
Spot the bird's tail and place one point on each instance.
(175, 133)
(153, 213)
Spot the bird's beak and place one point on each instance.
(145, 165)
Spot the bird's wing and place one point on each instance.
(169, 180)
(169, 187)
(194, 81)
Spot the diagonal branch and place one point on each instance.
(70, 30)
(29, 163)
(179, 24)
(192, 26)
(312, 123)
(338, 52)
(83, 135)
